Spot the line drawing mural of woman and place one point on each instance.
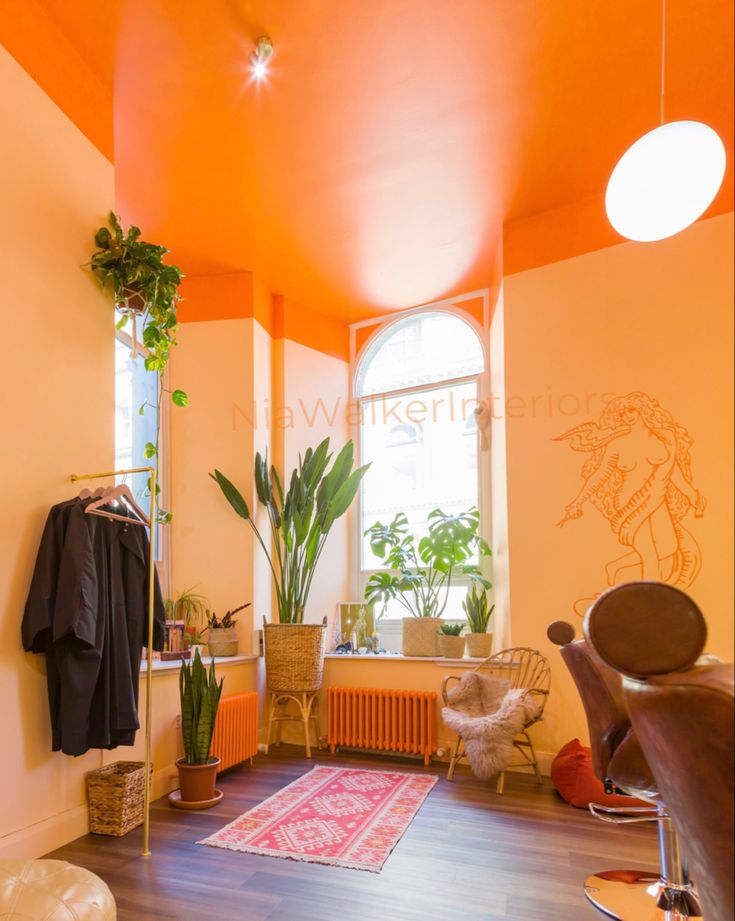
(639, 477)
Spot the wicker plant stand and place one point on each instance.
(115, 795)
(307, 703)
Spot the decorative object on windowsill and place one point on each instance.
(300, 520)
(356, 623)
(419, 573)
(191, 609)
(199, 694)
(145, 291)
(451, 644)
(479, 641)
(115, 796)
(175, 642)
(669, 177)
(222, 634)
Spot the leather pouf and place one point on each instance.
(53, 890)
(575, 781)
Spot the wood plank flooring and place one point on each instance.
(469, 855)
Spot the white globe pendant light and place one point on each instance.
(667, 178)
(665, 181)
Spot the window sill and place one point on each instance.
(466, 662)
(174, 665)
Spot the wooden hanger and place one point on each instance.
(116, 493)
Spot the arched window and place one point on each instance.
(418, 385)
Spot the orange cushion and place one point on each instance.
(573, 777)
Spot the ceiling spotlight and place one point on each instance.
(260, 57)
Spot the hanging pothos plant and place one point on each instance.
(145, 292)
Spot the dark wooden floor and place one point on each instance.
(469, 855)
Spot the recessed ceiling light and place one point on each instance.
(260, 57)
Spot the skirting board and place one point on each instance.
(56, 831)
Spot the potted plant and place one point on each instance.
(222, 634)
(451, 644)
(420, 572)
(300, 519)
(189, 609)
(200, 695)
(479, 641)
(145, 292)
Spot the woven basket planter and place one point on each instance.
(479, 645)
(421, 636)
(222, 642)
(115, 794)
(294, 656)
(451, 647)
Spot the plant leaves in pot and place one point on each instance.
(479, 641)
(451, 644)
(299, 519)
(222, 634)
(199, 694)
(419, 573)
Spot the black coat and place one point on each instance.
(87, 610)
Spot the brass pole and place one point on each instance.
(151, 471)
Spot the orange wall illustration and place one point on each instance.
(638, 475)
(626, 351)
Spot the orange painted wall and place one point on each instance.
(655, 318)
(57, 397)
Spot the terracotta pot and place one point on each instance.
(479, 645)
(222, 642)
(131, 300)
(421, 636)
(451, 647)
(197, 780)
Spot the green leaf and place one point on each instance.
(180, 398)
(122, 322)
(232, 494)
(141, 411)
(150, 450)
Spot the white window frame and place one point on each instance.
(163, 549)
(452, 307)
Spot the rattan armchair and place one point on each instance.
(524, 668)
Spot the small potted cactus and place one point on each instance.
(451, 644)
(200, 694)
(479, 641)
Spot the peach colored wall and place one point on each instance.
(211, 546)
(655, 318)
(57, 392)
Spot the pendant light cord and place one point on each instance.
(663, 60)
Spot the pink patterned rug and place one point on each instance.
(339, 816)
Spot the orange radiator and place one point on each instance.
(382, 720)
(235, 736)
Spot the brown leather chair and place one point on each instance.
(683, 714)
(619, 762)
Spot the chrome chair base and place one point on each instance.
(632, 895)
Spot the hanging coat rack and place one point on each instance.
(151, 471)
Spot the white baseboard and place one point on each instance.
(56, 831)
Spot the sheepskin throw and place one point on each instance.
(487, 713)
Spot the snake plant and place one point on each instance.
(476, 609)
(200, 694)
(300, 518)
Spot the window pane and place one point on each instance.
(453, 611)
(423, 450)
(134, 386)
(420, 350)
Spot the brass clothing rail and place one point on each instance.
(151, 471)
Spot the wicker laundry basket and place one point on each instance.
(294, 656)
(115, 794)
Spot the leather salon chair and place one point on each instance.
(619, 762)
(682, 714)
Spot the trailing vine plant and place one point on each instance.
(145, 292)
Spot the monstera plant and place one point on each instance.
(200, 694)
(419, 573)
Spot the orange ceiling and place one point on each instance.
(394, 139)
